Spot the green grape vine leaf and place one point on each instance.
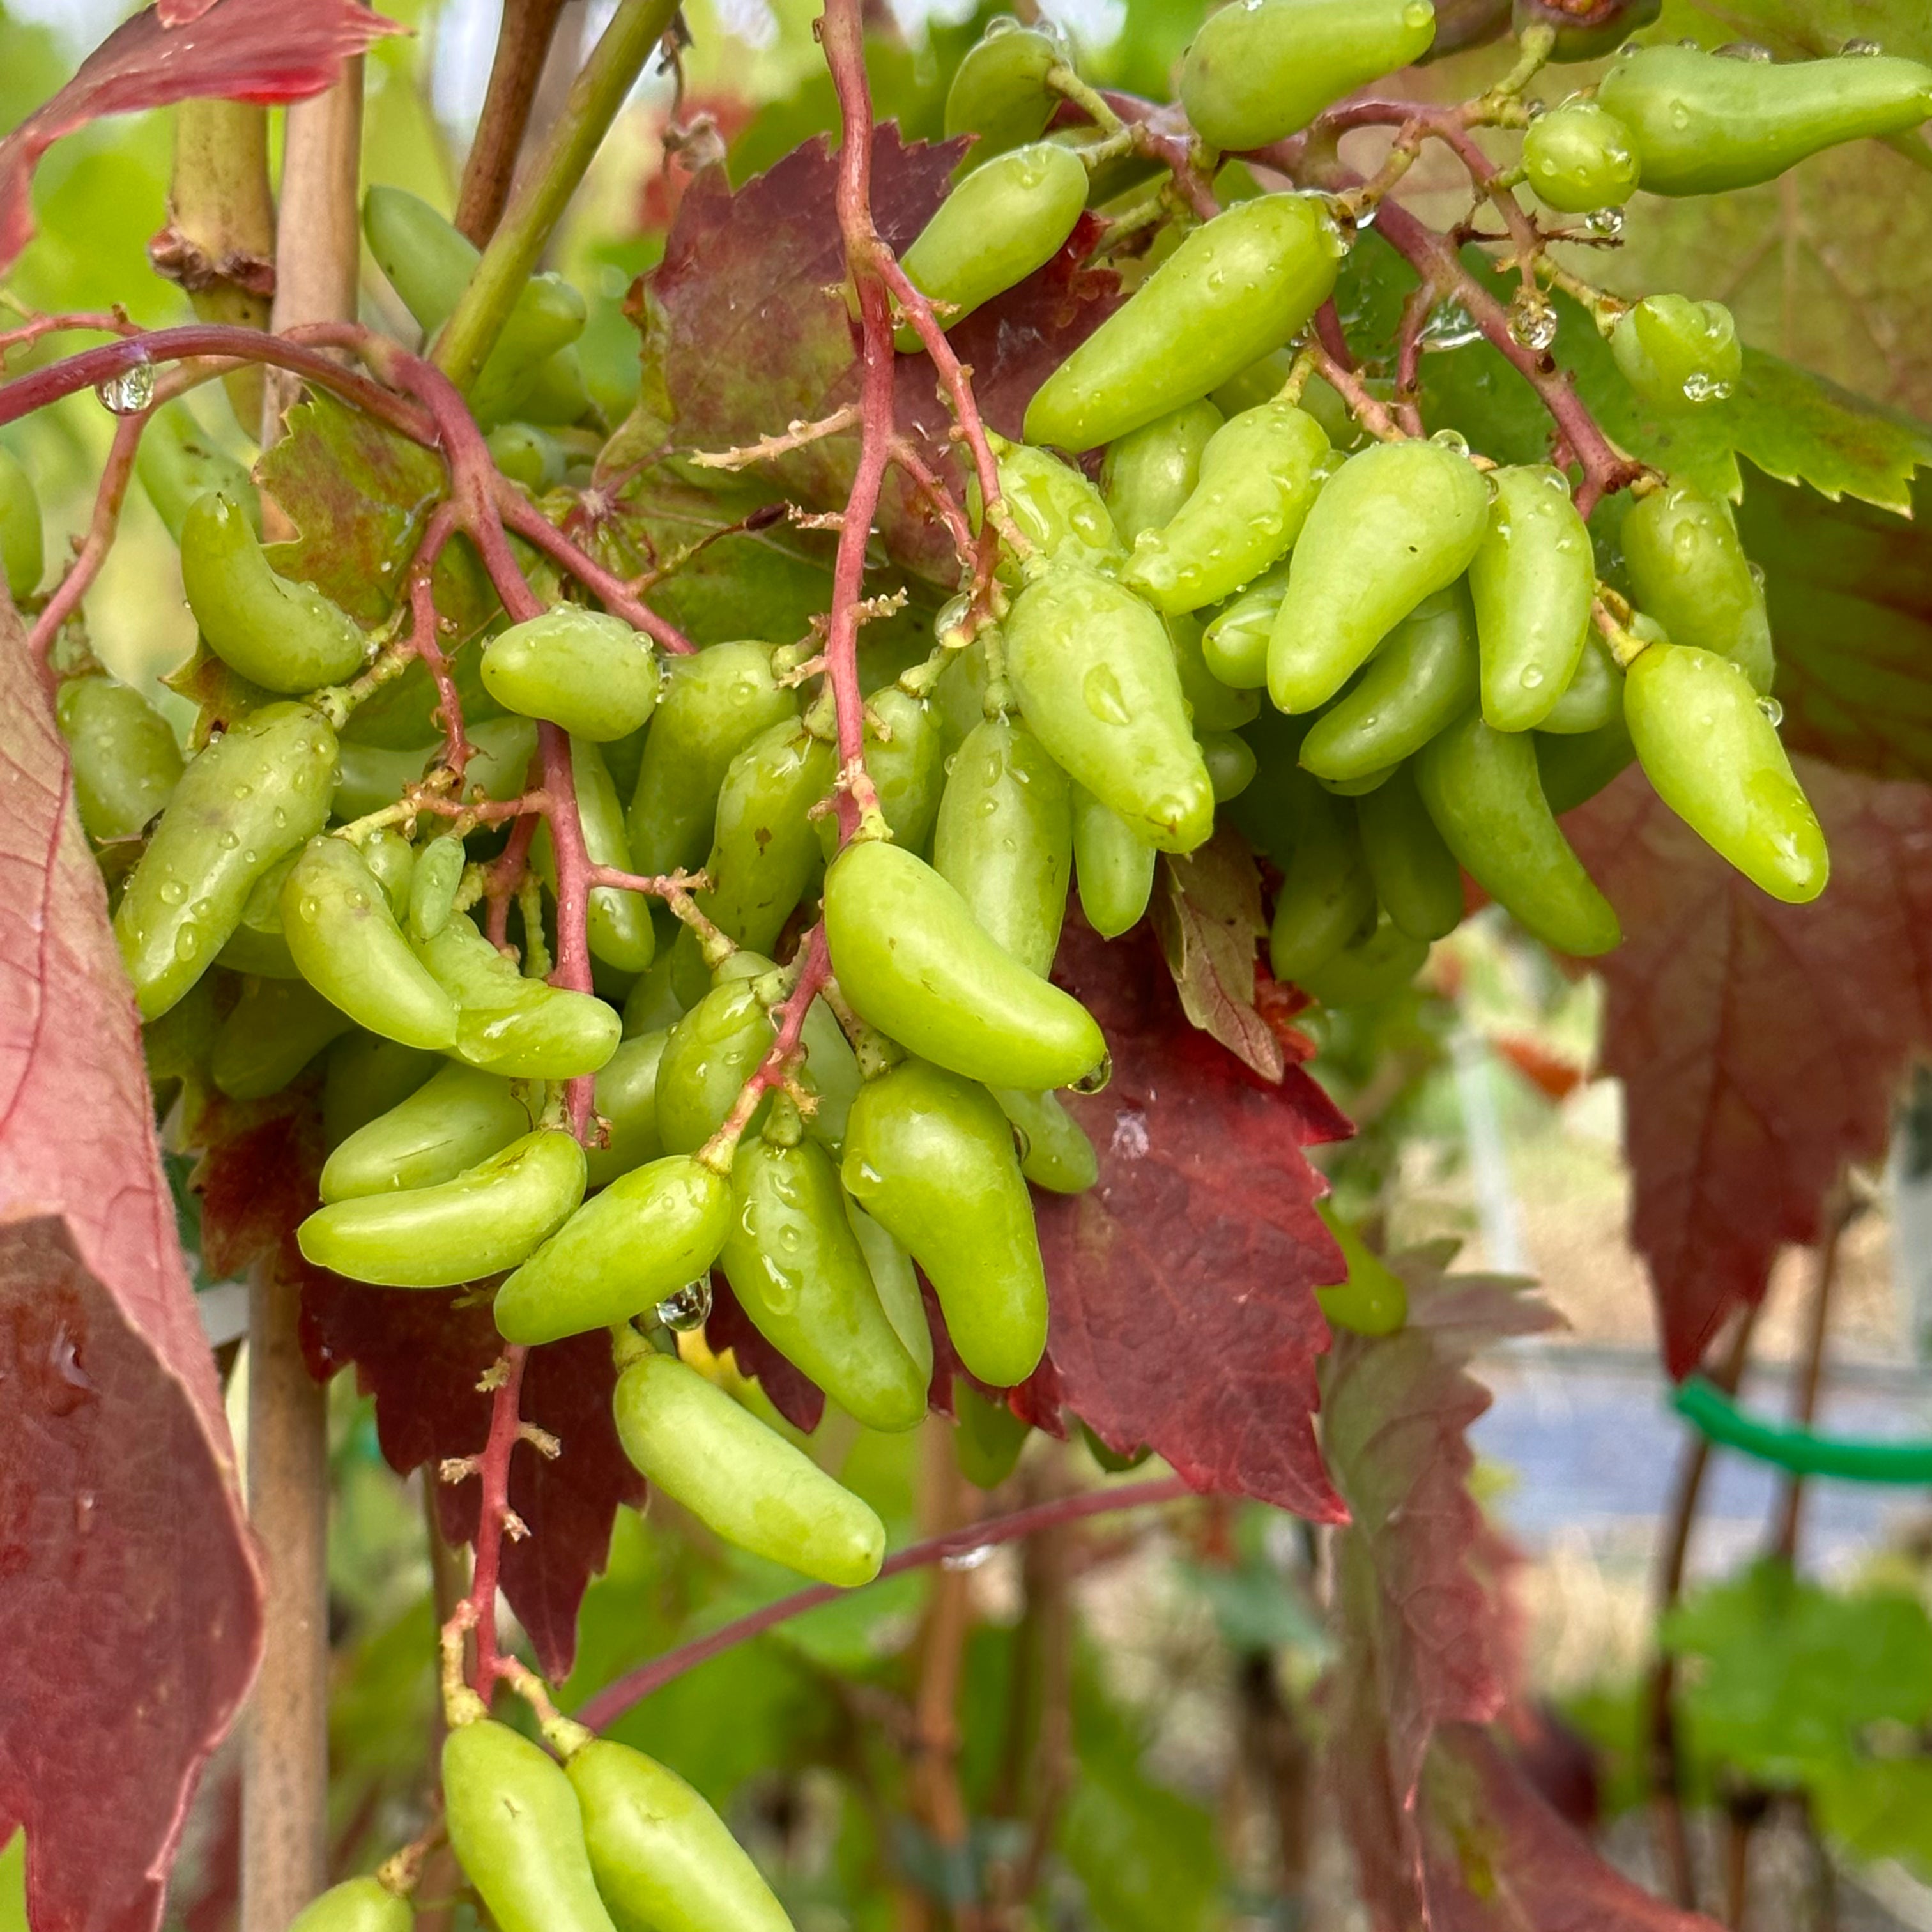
(1207, 909)
(1879, 1807)
(1760, 1044)
(118, 1487)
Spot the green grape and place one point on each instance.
(509, 1024)
(126, 761)
(22, 545)
(1258, 73)
(1230, 762)
(1326, 895)
(1237, 286)
(688, 1438)
(626, 1100)
(1573, 769)
(1268, 814)
(662, 1857)
(272, 1032)
(931, 1158)
(1689, 572)
(1113, 865)
(282, 635)
(990, 1437)
(339, 929)
(1701, 123)
(1258, 479)
(1378, 962)
(1395, 522)
(489, 1217)
(1371, 1299)
(179, 463)
(905, 757)
(1532, 581)
(653, 1004)
(708, 1056)
(591, 673)
(391, 863)
(617, 922)
(1000, 91)
(1585, 29)
(1423, 677)
(1713, 755)
(253, 795)
(1234, 646)
(1054, 1151)
(517, 1831)
(1005, 220)
(1674, 351)
(376, 775)
(1097, 678)
(1482, 788)
(434, 884)
(356, 1905)
(256, 945)
(456, 1118)
(897, 1282)
(1580, 159)
(1004, 840)
(429, 264)
(715, 703)
(366, 1077)
(1594, 696)
(912, 961)
(1060, 513)
(1151, 471)
(765, 848)
(1212, 705)
(800, 1274)
(1414, 874)
(525, 454)
(624, 1251)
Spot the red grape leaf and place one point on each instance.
(1207, 911)
(792, 1392)
(422, 1356)
(131, 1610)
(1760, 1045)
(264, 50)
(1182, 1286)
(746, 320)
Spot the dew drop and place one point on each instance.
(173, 892)
(1743, 50)
(1532, 677)
(130, 392)
(1773, 711)
(187, 943)
(1095, 1079)
(1102, 689)
(1860, 46)
(1453, 440)
(1450, 325)
(1532, 320)
(1701, 386)
(688, 1308)
(1756, 573)
(1022, 1145)
(1608, 222)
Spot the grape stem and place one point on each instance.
(610, 1703)
(477, 1611)
(112, 492)
(424, 641)
(774, 1071)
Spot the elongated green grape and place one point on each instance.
(708, 1056)
(688, 1438)
(489, 1218)
(897, 1281)
(456, 1118)
(591, 673)
(356, 1905)
(1578, 158)
(1423, 677)
(1716, 760)
(798, 1272)
(372, 776)
(1258, 72)
(1151, 471)
(526, 455)
(282, 635)
(1414, 874)
(1234, 645)
(517, 1831)
(1371, 1299)
(22, 545)
(1594, 696)
(1055, 1153)
(1212, 706)
(1062, 517)
(1237, 287)
(1532, 581)
(256, 945)
(1097, 681)
(617, 922)
(1004, 840)
(1326, 894)
(337, 925)
(508, 1024)
(178, 462)
(662, 1857)
(1377, 963)
(433, 886)
(646, 1235)
(1113, 865)
(625, 1100)
(931, 1158)
(1394, 523)
(765, 848)
(254, 795)
(1574, 768)
(1230, 763)
(1482, 789)
(911, 961)
(126, 761)
(1676, 353)
(1691, 573)
(366, 1077)
(272, 1032)
(990, 1437)
(999, 90)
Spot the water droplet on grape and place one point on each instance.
(1859, 46)
(187, 942)
(1532, 677)
(1102, 689)
(1450, 325)
(1532, 320)
(1743, 50)
(1701, 386)
(1774, 712)
(173, 892)
(1756, 570)
(1605, 221)
(687, 1308)
(130, 392)
(1022, 1145)
(1095, 1079)
(1453, 440)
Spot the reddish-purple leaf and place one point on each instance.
(1760, 1044)
(749, 324)
(422, 1356)
(793, 1393)
(262, 50)
(1207, 911)
(1183, 1308)
(130, 1605)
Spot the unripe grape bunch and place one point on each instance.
(652, 956)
